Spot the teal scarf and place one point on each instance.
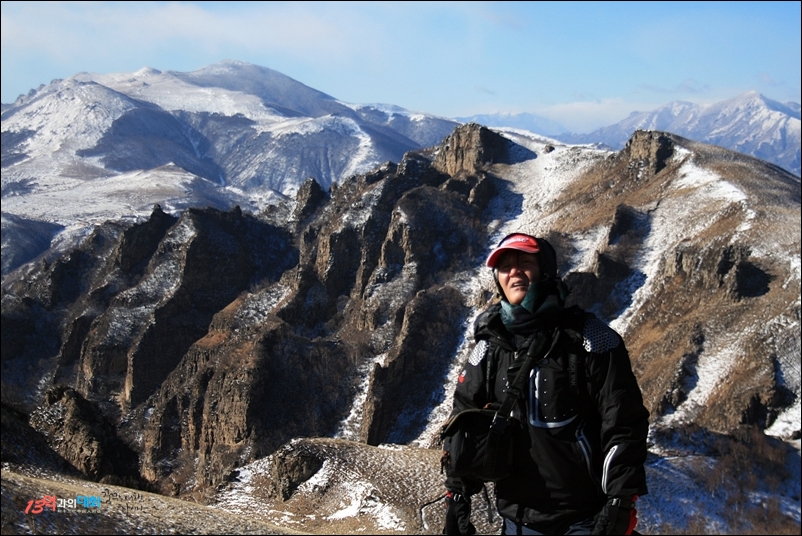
(543, 299)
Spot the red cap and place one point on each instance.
(518, 241)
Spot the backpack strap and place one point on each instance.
(577, 364)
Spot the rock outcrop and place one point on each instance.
(648, 152)
(470, 149)
(77, 430)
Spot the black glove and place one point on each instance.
(458, 515)
(617, 517)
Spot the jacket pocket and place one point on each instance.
(551, 402)
(586, 450)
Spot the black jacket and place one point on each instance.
(577, 444)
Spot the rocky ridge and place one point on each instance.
(209, 340)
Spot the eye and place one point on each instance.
(504, 264)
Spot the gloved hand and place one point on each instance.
(458, 515)
(617, 517)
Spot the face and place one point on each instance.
(516, 271)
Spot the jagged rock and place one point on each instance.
(648, 152)
(430, 330)
(78, 431)
(340, 261)
(139, 242)
(720, 266)
(201, 263)
(469, 149)
(310, 196)
(27, 449)
(37, 305)
(291, 467)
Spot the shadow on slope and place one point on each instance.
(24, 240)
(148, 137)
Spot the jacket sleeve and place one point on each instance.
(624, 418)
(469, 393)
(471, 390)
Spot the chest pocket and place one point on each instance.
(552, 401)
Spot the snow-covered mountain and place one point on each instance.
(108, 146)
(97, 146)
(749, 123)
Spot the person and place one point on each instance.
(578, 460)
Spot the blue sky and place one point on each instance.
(582, 64)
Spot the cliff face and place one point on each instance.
(213, 338)
(470, 149)
(204, 341)
(282, 360)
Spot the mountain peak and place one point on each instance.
(233, 66)
(147, 71)
(749, 123)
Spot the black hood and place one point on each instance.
(547, 258)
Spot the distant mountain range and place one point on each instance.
(95, 147)
(234, 124)
(749, 123)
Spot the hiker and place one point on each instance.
(580, 445)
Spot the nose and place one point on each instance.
(514, 269)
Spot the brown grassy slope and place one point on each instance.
(123, 511)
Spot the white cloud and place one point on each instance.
(336, 47)
(586, 116)
(61, 30)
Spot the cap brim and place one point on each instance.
(494, 256)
